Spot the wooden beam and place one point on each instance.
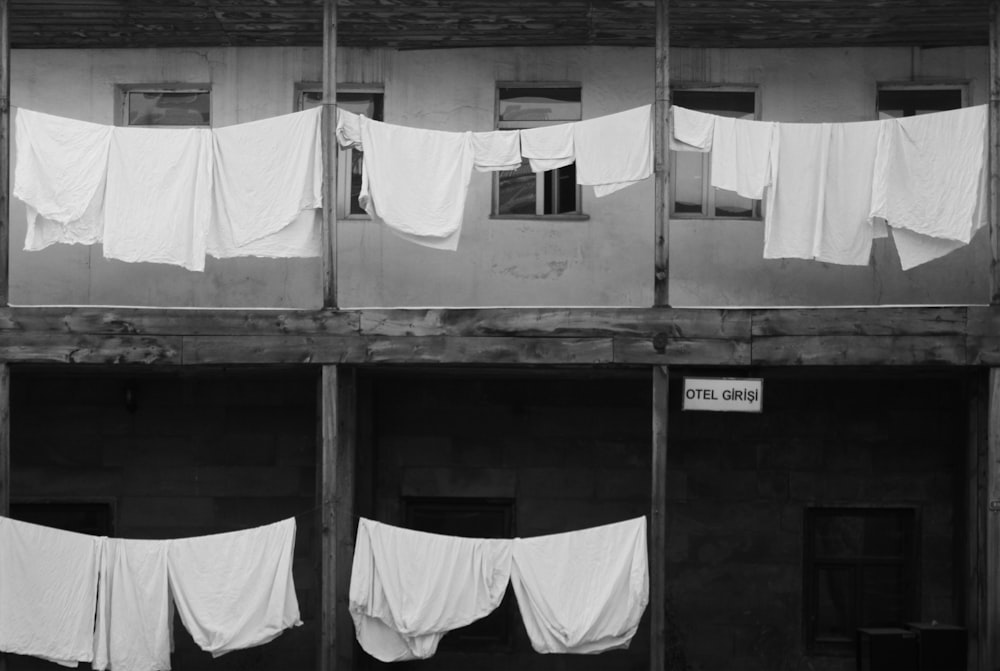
(347, 438)
(657, 521)
(994, 151)
(329, 127)
(976, 512)
(859, 350)
(661, 157)
(990, 579)
(4, 456)
(5, 152)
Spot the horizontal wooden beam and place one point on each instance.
(858, 350)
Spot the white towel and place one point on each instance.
(928, 173)
(409, 588)
(158, 204)
(348, 129)
(582, 591)
(301, 238)
(134, 610)
(266, 174)
(235, 590)
(548, 147)
(497, 150)
(741, 156)
(614, 151)
(48, 590)
(415, 181)
(691, 130)
(60, 176)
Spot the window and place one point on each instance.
(860, 571)
(359, 101)
(475, 518)
(902, 100)
(144, 105)
(693, 195)
(522, 192)
(83, 517)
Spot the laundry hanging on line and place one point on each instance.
(831, 188)
(579, 592)
(72, 598)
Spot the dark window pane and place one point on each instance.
(910, 102)
(517, 190)
(882, 596)
(885, 535)
(838, 536)
(540, 104)
(168, 108)
(724, 103)
(835, 606)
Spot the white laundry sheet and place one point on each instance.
(267, 173)
(496, 150)
(614, 151)
(817, 208)
(235, 590)
(134, 610)
(158, 203)
(415, 181)
(691, 130)
(48, 590)
(59, 174)
(741, 156)
(410, 588)
(582, 591)
(548, 147)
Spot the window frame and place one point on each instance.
(345, 157)
(962, 85)
(540, 177)
(708, 191)
(122, 92)
(910, 564)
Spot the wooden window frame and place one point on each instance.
(122, 92)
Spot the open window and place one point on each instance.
(693, 194)
(365, 100)
(521, 192)
(187, 105)
(860, 571)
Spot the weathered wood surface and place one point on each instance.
(976, 512)
(661, 160)
(991, 569)
(344, 501)
(329, 127)
(861, 321)
(657, 519)
(680, 351)
(329, 478)
(423, 24)
(858, 350)
(5, 152)
(90, 349)
(994, 151)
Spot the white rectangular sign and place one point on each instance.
(724, 394)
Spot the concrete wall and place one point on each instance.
(574, 453)
(604, 260)
(195, 456)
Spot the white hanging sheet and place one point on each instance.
(614, 151)
(48, 590)
(548, 147)
(410, 588)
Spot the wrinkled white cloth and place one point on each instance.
(415, 181)
(928, 173)
(134, 610)
(158, 203)
(409, 588)
(741, 156)
(48, 590)
(582, 591)
(691, 130)
(818, 206)
(301, 238)
(548, 147)
(235, 590)
(348, 129)
(59, 174)
(614, 151)
(496, 150)
(267, 173)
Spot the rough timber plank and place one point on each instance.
(678, 351)
(991, 571)
(657, 519)
(329, 479)
(994, 151)
(329, 229)
(661, 147)
(874, 321)
(398, 350)
(89, 349)
(858, 350)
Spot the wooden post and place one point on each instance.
(990, 581)
(657, 521)
(661, 157)
(329, 153)
(337, 448)
(4, 153)
(994, 151)
(976, 508)
(4, 455)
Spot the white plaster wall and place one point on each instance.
(605, 260)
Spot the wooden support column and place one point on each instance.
(657, 522)
(990, 580)
(661, 157)
(4, 153)
(329, 128)
(4, 456)
(976, 510)
(994, 151)
(337, 457)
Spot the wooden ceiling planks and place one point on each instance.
(422, 24)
